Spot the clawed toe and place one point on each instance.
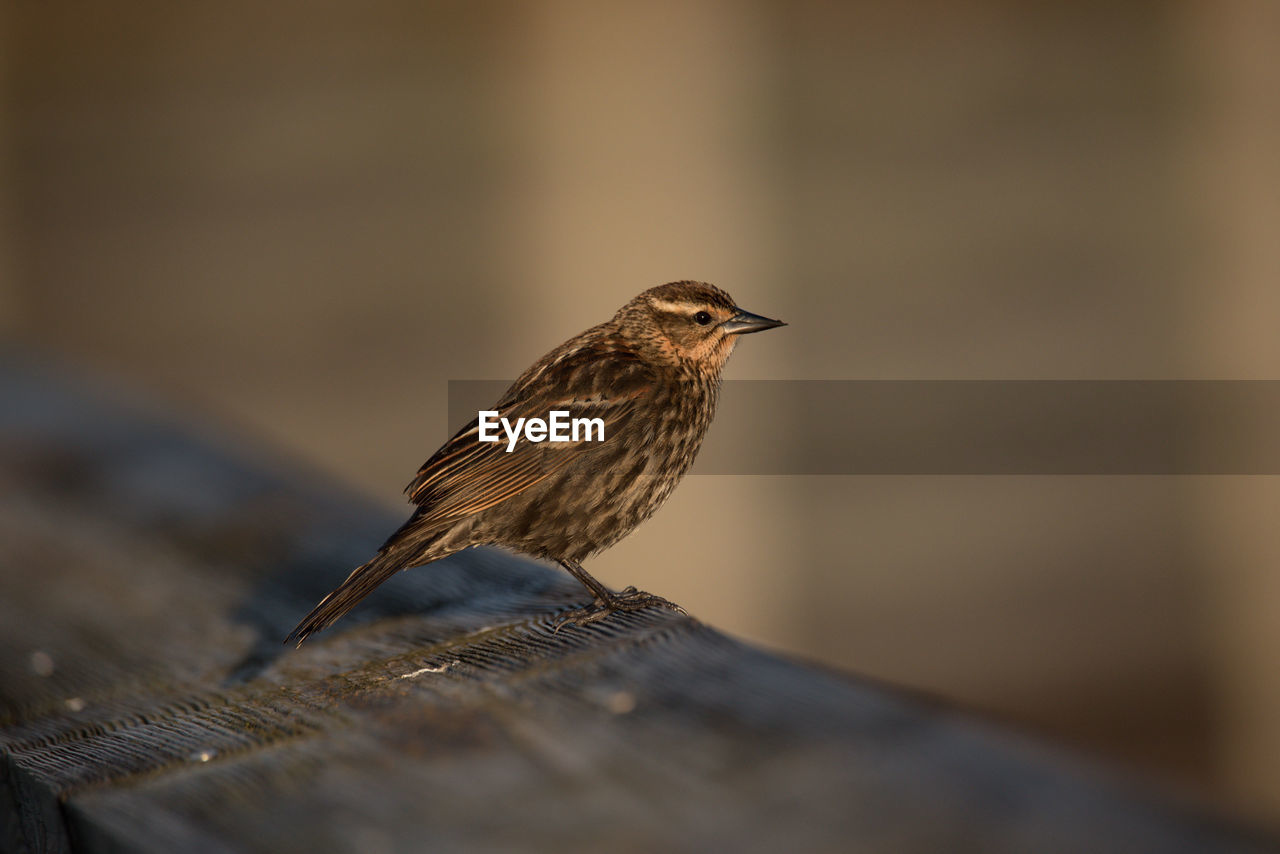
(635, 600)
(629, 599)
(582, 616)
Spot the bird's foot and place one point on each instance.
(630, 599)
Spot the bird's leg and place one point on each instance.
(606, 602)
(598, 590)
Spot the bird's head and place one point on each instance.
(687, 323)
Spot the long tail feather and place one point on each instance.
(359, 584)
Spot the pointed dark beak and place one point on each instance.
(744, 322)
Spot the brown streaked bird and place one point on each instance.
(651, 374)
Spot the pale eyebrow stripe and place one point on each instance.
(673, 307)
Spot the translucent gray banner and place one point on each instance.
(968, 427)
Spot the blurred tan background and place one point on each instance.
(301, 220)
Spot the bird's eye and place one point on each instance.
(702, 318)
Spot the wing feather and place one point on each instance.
(467, 476)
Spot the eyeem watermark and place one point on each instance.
(559, 427)
(972, 427)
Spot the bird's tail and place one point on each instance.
(359, 584)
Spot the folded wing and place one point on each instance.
(468, 475)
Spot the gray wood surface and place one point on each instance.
(149, 569)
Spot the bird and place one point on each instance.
(651, 376)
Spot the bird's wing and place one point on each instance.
(467, 475)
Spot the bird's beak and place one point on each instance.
(744, 322)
